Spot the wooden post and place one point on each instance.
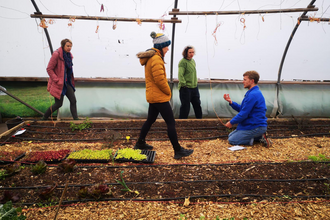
(39, 15)
(266, 11)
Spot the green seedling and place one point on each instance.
(39, 168)
(319, 158)
(86, 124)
(7, 211)
(122, 182)
(328, 187)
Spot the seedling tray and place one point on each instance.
(91, 161)
(47, 161)
(16, 159)
(150, 157)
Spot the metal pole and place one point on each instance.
(284, 55)
(46, 31)
(172, 51)
(36, 110)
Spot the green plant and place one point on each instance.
(319, 158)
(39, 168)
(328, 187)
(182, 217)
(11, 169)
(8, 212)
(287, 197)
(130, 153)
(123, 183)
(2, 174)
(88, 154)
(48, 203)
(86, 124)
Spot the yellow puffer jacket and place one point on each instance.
(157, 88)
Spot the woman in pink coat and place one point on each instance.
(61, 79)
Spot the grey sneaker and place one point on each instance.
(265, 141)
(182, 153)
(143, 146)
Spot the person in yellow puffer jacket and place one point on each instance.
(158, 94)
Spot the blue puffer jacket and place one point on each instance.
(252, 111)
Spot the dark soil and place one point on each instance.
(210, 182)
(222, 182)
(187, 130)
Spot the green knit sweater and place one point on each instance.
(187, 73)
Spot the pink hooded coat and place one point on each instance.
(55, 70)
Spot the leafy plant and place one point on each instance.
(98, 190)
(287, 197)
(11, 169)
(47, 193)
(88, 154)
(39, 168)
(46, 156)
(2, 174)
(83, 192)
(328, 187)
(48, 203)
(130, 153)
(86, 124)
(95, 191)
(123, 183)
(8, 212)
(67, 166)
(9, 196)
(319, 158)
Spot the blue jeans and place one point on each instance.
(246, 137)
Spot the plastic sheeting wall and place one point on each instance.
(127, 100)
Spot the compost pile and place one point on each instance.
(213, 175)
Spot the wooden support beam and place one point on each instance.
(266, 11)
(39, 15)
(312, 19)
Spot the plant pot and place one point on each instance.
(13, 122)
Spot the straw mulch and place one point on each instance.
(213, 151)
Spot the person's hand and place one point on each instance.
(228, 125)
(227, 98)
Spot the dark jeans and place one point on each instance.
(166, 112)
(59, 103)
(188, 96)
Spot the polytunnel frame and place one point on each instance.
(276, 111)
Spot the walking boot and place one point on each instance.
(182, 153)
(142, 145)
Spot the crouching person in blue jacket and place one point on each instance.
(251, 117)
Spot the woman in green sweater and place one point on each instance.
(188, 88)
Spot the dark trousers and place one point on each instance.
(166, 112)
(59, 102)
(188, 96)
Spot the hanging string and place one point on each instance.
(208, 66)
(242, 20)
